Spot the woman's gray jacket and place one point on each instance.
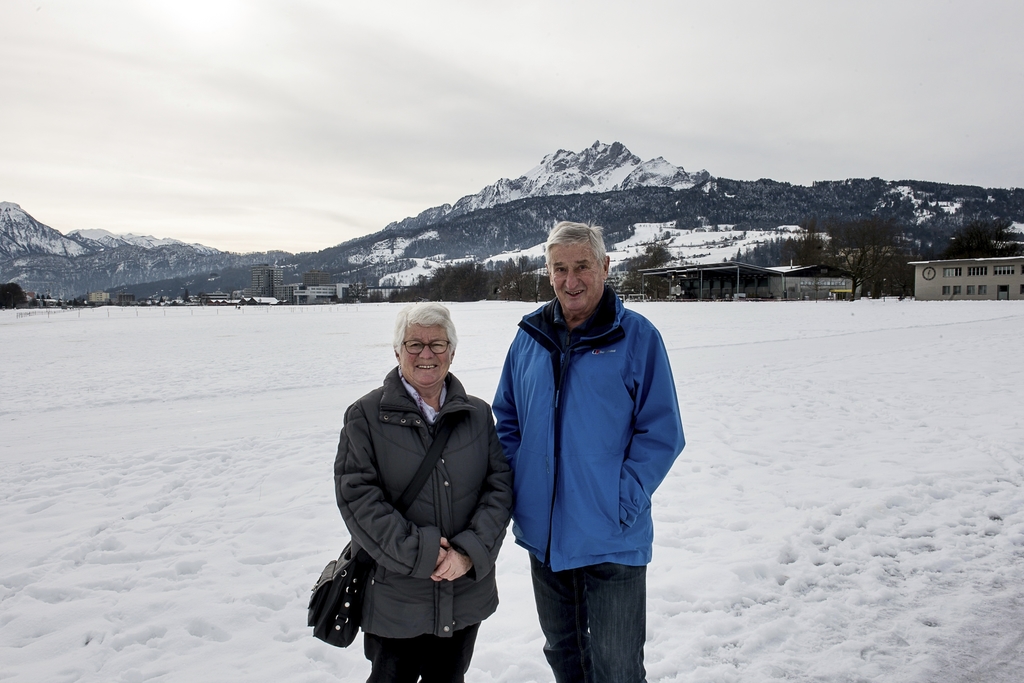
(467, 499)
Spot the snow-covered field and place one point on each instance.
(848, 507)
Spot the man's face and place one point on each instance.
(578, 280)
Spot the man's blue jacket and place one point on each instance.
(590, 430)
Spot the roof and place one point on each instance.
(724, 267)
(967, 260)
(732, 267)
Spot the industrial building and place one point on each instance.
(735, 280)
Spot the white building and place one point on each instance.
(971, 279)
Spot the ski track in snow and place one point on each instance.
(848, 506)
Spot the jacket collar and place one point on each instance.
(604, 327)
(396, 403)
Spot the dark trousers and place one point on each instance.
(594, 621)
(406, 660)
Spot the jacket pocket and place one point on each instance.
(531, 487)
(589, 500)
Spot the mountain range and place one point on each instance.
(699, 217)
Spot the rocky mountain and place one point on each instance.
(709, 217)
(598, 168)
(21, 235)
(44, 260)
(98, 240)
(699, 217)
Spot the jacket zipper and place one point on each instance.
(557, 451)
(559, 384)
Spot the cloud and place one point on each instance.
(299, 125)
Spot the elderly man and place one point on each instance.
(587, 413)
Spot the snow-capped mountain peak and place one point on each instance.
(660, 173)
(598, 168)
(20, 235)
(108, 240)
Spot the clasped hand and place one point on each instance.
(451, 564)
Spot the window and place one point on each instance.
(973, 271)
(1022, 290)
(970, 289)
(982, 289)
(956, 289)
(945, 290)
(1002, 270)
(950, 272)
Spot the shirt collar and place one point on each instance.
(429, 414)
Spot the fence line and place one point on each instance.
(46, 312)
(121, 312)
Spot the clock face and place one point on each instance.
(928, 273)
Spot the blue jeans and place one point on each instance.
(594, 621)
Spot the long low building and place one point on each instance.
(736, 280)
(970, 279)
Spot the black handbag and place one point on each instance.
(336, 606)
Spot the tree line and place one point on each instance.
(12, 295)
(521, 279)
(875, 251)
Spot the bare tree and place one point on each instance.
(521, 280)
(12, 295)
(863, 248)
(808, 248)
(654, 256)
(516, 281)
(984, 239)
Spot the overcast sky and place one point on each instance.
(299, 124)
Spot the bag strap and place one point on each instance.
(429, 461)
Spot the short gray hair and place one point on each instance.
(427, 314)
(567, 232)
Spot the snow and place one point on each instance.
(24, 235)
(536, 251)
(710, 244)
(848, 506)
(410, 276)
(598, 168)
(111, 240)
(391, 248)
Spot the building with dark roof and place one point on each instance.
(736, 280)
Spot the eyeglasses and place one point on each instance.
(416, 347)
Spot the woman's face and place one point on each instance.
(426, 370)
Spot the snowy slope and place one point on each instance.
(598, 168)
(20, 234)
(108, 240)
(848, 507)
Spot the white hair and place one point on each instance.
(567, 232)
(426, 314)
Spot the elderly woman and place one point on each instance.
(434, 581)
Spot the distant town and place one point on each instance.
(267, 288)
(846, 261)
